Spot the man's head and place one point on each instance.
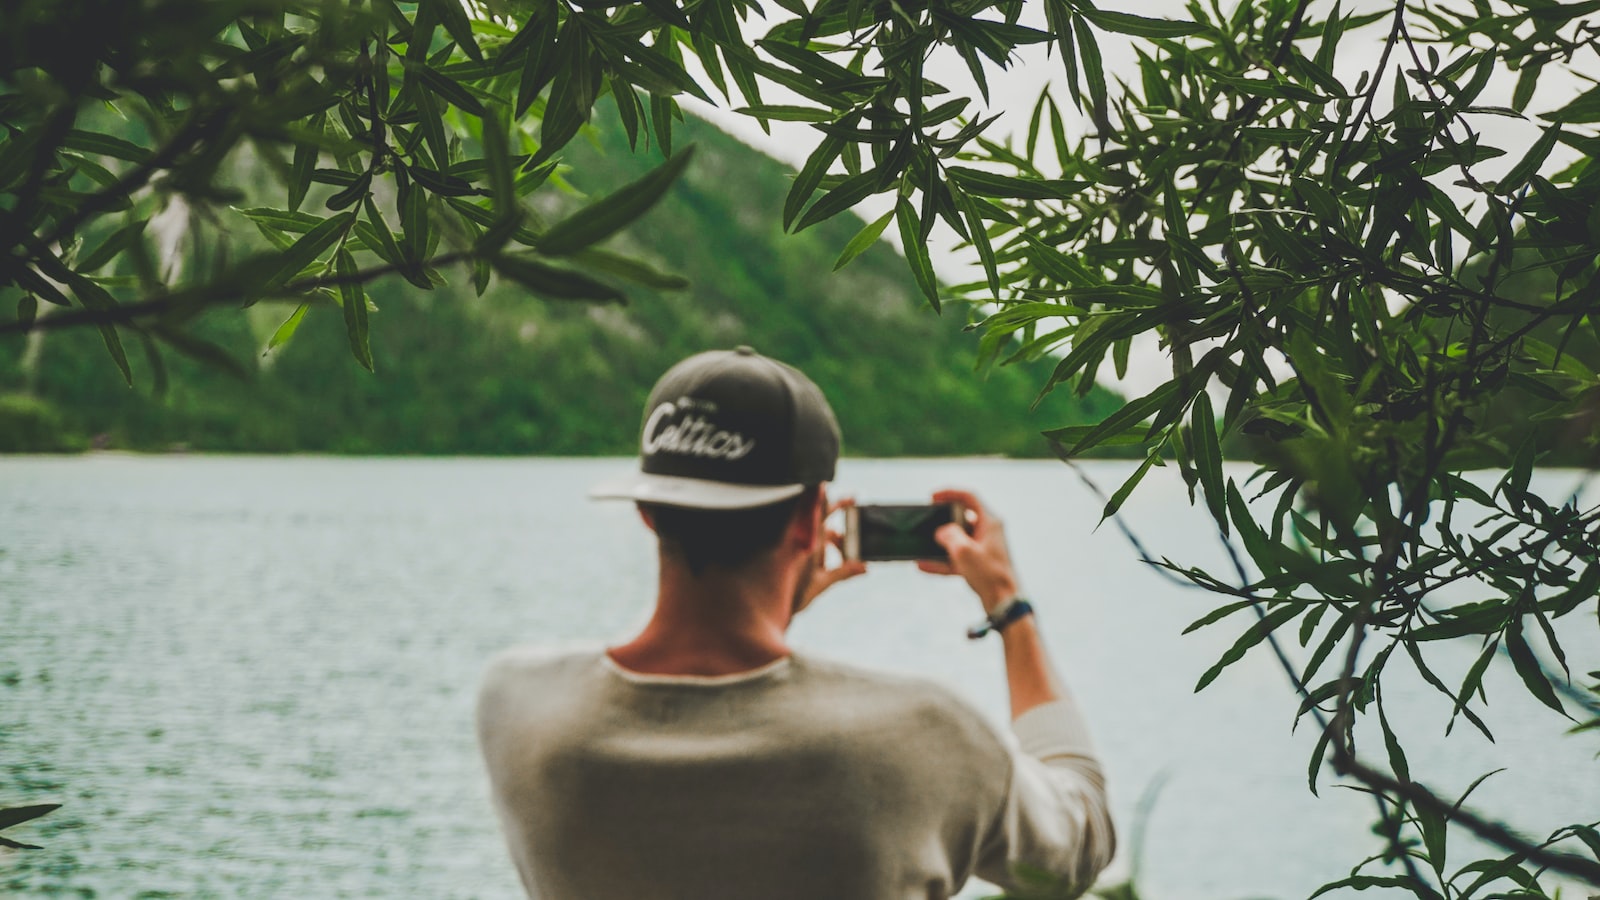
(730, 539)
(733, 445)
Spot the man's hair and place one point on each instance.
(725, 538)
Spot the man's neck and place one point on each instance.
(713, 623)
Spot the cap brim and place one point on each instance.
(695, 493)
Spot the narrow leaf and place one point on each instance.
(916, 251)
(354, 301)
(120, 240)
(1138, 26)
(1255, 635)
(612, 213)
(1528, 668)
(289, 327)
(16, 815)
(310, 246)
(455, 21)
(843, 196)
(866, 237)
(555, 282)
(1208, 457)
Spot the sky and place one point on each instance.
(1013, 93)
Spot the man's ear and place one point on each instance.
(644, 516)
(806, 527)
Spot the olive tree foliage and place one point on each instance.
(1354, 276)
(402, 139)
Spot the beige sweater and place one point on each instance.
(801, 779)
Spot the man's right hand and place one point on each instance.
(980, 557)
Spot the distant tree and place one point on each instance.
(1333, 262)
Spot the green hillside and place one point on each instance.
(511, 374)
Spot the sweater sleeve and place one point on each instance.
(1054, 830)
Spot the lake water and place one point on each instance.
(253, 676)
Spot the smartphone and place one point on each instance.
(898, 531)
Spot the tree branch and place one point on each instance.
(224, 294)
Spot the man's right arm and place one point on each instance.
(984, 560)
(1056, 817)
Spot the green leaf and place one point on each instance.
(414, 212)
(497, 160)
(430, 122)
(916, 251)
(95, 297)
(1435, 836)
(310, 246)
(281, 220)
(1527, 666)
(1208, 457)
(304, 167)
(440, 183)
(662, 112)
(1362, 882)
(105, 145)
(1316, 759)
(845, 195)
(16, 815)
(290, 325)
(993, 184)
(605, 217)
(201, 350)
(788, 113)
(454, 19)
(1527, 81)
(555, 282)
(1473, 682)
(375, 233)
(1057, 265)
(1218, 614)
(1514, 485)
(1458, 621)
(810, 176)
(111, 247)
(447, 88)
(1126, 489)
(980, 238)
(1093, 71)
(40, 287)
(1131, 414)
(866, 237)
(1397, 755)
(1255, 635)
(1529, 165)
(1138, 26)
(636, 271)
(1256, 543)
(352, 194)
(354, 301)
(1070, 435)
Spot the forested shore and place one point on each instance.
(506, 373)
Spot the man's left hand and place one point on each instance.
(821, 577)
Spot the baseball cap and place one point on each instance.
(730, 429)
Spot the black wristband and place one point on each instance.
(1008, 612)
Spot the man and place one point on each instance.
(704, 759)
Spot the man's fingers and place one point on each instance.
(952, 537)
(965, 498)
(934, 567)
(827, 578)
